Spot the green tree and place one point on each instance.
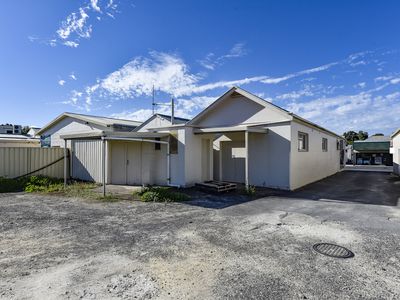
(352, 136)
(25, 129)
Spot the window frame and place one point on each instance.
(324, 144)
(305, 141)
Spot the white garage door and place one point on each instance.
(233, 161)
(126, 163)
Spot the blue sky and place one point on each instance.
(336, 63)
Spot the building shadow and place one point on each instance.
(372, 188)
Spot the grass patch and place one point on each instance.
(161, 194)
(47, 185)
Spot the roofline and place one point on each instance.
(395, 133)
(304, 121)
(83, 118)
(265, 103)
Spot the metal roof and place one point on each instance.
(102, 121)
(375, 139)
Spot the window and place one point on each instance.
(45, 141)
(303, 141)
(157, 146)
(324, 144)
(337, 145)
(173, 145)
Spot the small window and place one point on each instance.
(157, 146)
(324, 144)
(337, 145)
(303, 141)
(173, 145)
(45, 141)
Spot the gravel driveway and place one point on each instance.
(53, 247)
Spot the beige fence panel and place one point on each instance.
(16, 161)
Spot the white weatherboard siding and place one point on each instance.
(395, 150)
(240, 110)
(155, 123)
(67, 126)
(269, 157)
(312, 165)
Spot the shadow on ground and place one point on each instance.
(376, 188)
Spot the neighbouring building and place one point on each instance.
(375, 150)
(238, 138)
(76, 123)
(395, 151)
(33, 131)
(17, 140)
(10, 129)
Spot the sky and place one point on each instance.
(336, 63)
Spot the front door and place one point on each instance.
(233, 161)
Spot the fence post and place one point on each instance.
(65, 163)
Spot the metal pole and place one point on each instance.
(246, 143)
(104, 167)
(168, 165)
(65, 163)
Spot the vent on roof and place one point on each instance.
(236, 94)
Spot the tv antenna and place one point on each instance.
(172, 104)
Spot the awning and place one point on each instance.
(230, 129)
(115, 134)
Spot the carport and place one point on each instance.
(132, 158)
(231, 151)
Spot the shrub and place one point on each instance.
(161, 194)
(250, 190)
(8, 185)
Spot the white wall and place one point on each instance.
(269, 157)
(314, 164)
(395, 150)
(20, 143)
(155, 123)
(67, 126)
(240, 110)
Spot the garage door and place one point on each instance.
(233, 161)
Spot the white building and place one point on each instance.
(16, 140)
(75, 123)
(239, 138)
(395, 150)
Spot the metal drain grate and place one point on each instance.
(333, 250)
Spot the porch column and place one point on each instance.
(246, 167)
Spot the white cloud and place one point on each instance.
(137, 115)
(71, 44)
(211, 61)
(94, 4)
(75, 23)
(395, 80)
(168, 73)
(351, 112)
(72, 76)
(61, 82)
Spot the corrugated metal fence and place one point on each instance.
(18, 161)
(87, 160)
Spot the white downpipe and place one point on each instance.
(65, 163)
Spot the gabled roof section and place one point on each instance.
(262, 102)
(244, 93)
(101, 121)
(395, 133)
(165, 117)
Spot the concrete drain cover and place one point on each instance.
(333, 250)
